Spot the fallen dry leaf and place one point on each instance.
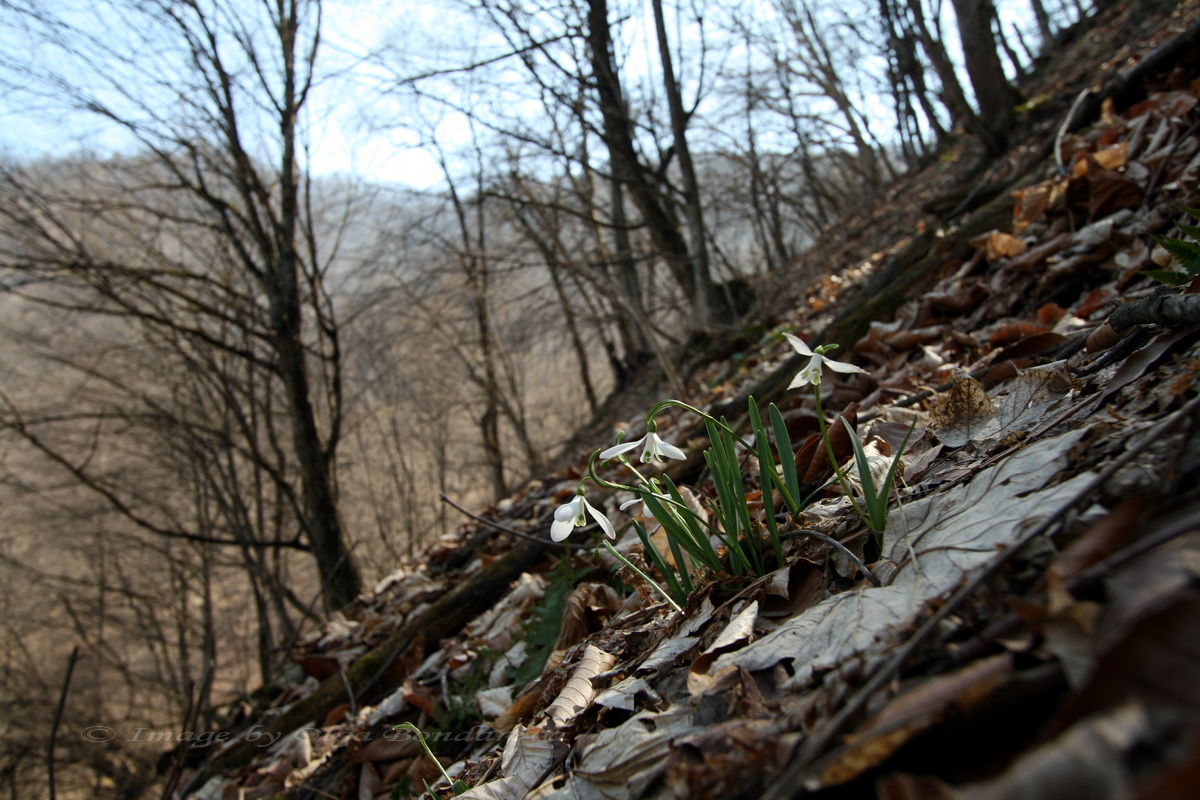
(1109, 191)
(964, 413)
(913, 712)
(935, 541)
(812, 460)
(1103, 538)
(578, 693)
(1033, 203)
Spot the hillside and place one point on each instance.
(1025, 627)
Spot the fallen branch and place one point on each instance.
(1157, 309)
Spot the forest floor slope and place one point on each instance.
(1028, 628)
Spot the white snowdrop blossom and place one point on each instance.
(653, 449)
(811, 374)
(571, 515)
(645, 512)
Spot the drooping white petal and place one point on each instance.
(624, 447)
(843, 367)
(798, 344)
(561, 530)
(565, 518)
(601, 520)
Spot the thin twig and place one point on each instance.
(191, 720)
(500, 527)
(58, 714)
(841, 548)
(1062, 131)
(352, 712)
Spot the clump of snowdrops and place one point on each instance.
(729, 538)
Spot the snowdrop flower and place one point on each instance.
(571, 515)
(637, 498)
(653, 448)
(811, 374)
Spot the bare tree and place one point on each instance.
(706, 306)
(223, 169)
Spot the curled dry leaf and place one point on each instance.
(879, 461)
(523, 707)
(1113, 157)
(1031, 345)
(1050, 313)
(588, 604)
(528, 753)
(812, 462)
(905, 340)
(493, 702)
(998, 244)
(1095, 300)
(1104, 337)
(578, 693)
(1109, 191)
(1035, 256)
(734, 635)
(623, 761)
(669, 650)
(1103, 538)
(624, 696)
(1016, 331)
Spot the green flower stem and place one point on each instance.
(833, 458)
(458, 787)
(593, 476)
(601, 482)
(660, 405)
(613, 551)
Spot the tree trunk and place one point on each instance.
(315, 457)
(995, 96)
(1043, 24)
(706, 308)
(644, 190)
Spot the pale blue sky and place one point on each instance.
(355, 128)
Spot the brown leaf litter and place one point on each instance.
(1032, 633)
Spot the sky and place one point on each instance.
(344, 138)
(356, 127)
(347, 137)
